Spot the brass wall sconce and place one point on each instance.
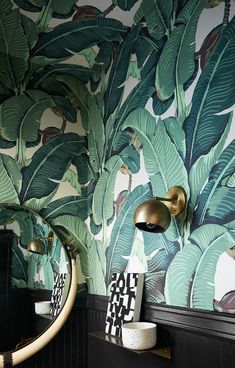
(38, 246)
(154, 216)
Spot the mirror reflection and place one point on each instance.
(33, 284)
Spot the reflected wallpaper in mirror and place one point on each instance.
(27, 277)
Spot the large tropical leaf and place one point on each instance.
(159, 251)
(177, 64)
(216, 202)
(70, 205)
(10, 180)
(131, 159)
(213, 94)
(154, 287)
(138, 97)
(14, 52)
(124, 230)
(48, 165)
(102, 205)
(80, 98)
(198, 174)
(176, 133)
(158, 149)
(144, 46)
(82, 73)
(57, 8)
(20, 116)
(88, 248)
(26, 222)
(65, 109)
(84, 170)
(28, 6)
(125, 4)
(74, 36)
(119, 70)
(214, 240)
(30, 31)
(157, 15)
(180, 274)
(95, 135)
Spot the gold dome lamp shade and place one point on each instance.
(155, 216)
(38, 245)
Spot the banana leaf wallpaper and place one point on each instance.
(103, 107)
(31, 270)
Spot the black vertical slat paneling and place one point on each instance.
(67, 349)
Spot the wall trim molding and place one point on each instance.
(202, 322)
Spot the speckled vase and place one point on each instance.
(139, 335)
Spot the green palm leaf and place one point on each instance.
(157, 15)
(80, 72)
(88, 248)
(138, 97)
(84, 171)
(180, 274)
(159, 251)
(198, 174)
(102, 205)
(216, 202)
(118, 71)
(214, 240)
(177, 64)
(131, 159)
(56, 8)
(123, 232)
(213, 94)
(30, 31)
(70, 205)
(158, 149)
(26, 222)
(75, 36)
(154, 287)
(14, 52)
(80, 98)
(20, 116)
(10, 180)
(48, 165)
(95, 135)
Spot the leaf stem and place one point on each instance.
(21, 152)
(180, 103)
(108, 10)
(44, 17)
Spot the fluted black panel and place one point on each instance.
(69, 347)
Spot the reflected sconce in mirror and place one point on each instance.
(155, 216)
(38, 246)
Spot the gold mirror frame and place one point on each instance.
(18, 356)
(43, 339)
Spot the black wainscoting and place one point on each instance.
(198, 339)
(69, 347)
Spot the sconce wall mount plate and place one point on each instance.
(177, 201)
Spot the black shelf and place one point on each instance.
(164, 352)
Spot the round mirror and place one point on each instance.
(38, 283)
